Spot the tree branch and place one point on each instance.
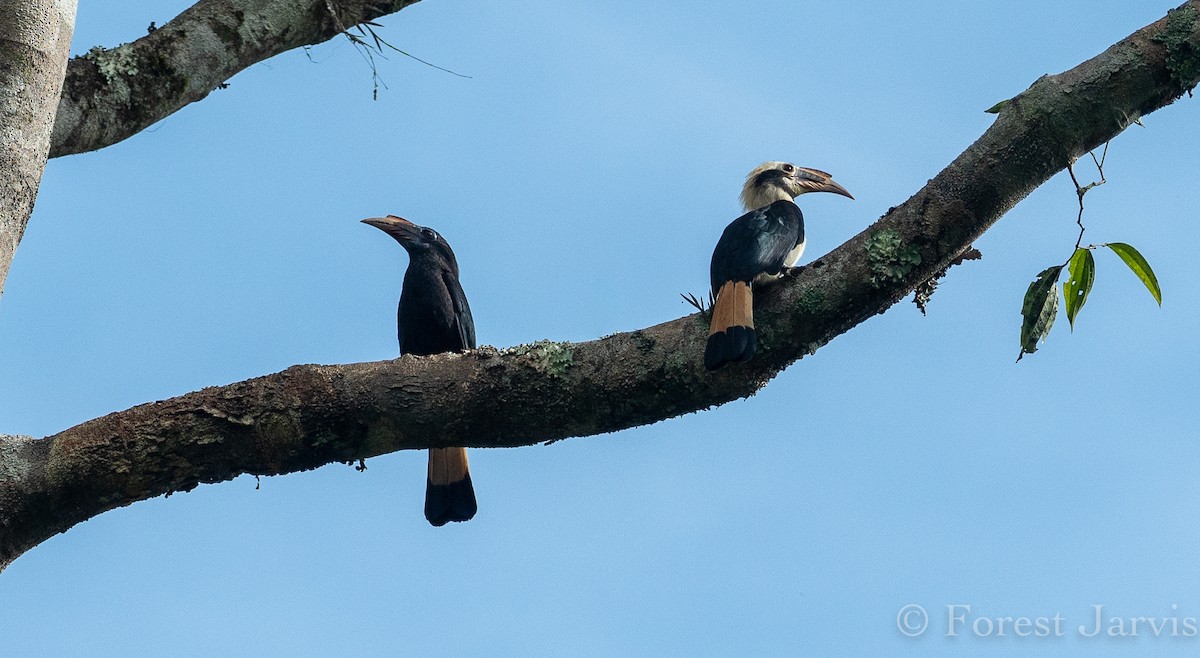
(309, 415)
(35, 40)
(111, 94)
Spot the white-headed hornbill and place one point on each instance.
(433, 318)
(755, 248)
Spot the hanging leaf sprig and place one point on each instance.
(1041, 298)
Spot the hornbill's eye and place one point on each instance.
(788, 168)
(428, 234)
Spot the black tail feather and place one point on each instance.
(449, 502)
(732, 345)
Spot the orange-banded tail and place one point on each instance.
(449, 495)
(731, 335)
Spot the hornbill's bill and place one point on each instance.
(755, 248)
(434, 317)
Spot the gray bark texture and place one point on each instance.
(35, 39)
(111, 94)
(311, 415)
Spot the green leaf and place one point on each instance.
(1082, 271)
(1038, 310)
(995, 109)
(1140, 267)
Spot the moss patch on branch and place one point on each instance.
(115, 62)
(1182, 61)
(891, 259)
(811, 301)
(548, 356)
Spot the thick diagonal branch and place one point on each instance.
(308, 416)
(111, 94)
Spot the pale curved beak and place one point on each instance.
(815, 180)
(399, 228)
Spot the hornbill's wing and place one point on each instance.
(755, 243)
(463, 323)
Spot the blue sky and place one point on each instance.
(582, 175)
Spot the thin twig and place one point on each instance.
(698, 303)
(368, 51)
(1081, 190)
(380, 42)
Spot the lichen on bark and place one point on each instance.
(1182, 44)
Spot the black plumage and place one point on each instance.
(755, 248)
(760, 243)
(757, 243)
(434, 317)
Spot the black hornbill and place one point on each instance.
(433, 318)
(755, 248)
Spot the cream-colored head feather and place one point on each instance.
(782, 181)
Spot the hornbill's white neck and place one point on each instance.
(757, 196)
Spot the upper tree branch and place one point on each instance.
(310, 415)
(112, 94)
